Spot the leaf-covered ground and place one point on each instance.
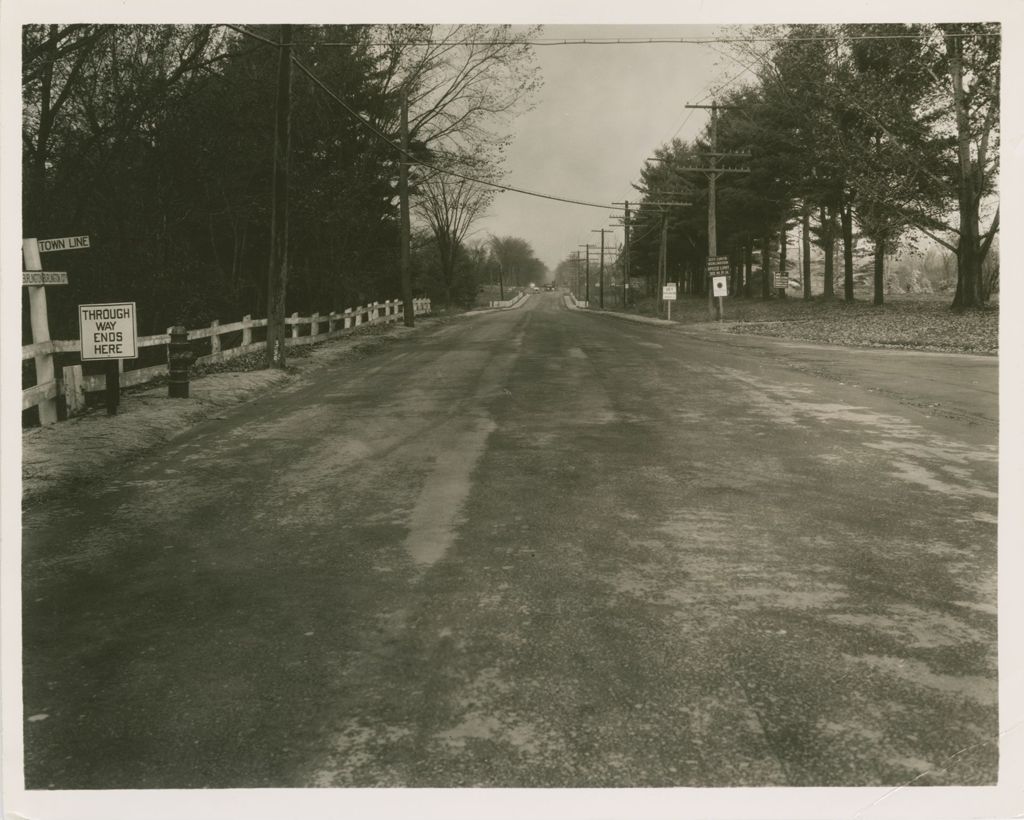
(916, 323)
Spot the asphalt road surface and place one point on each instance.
(536, 548)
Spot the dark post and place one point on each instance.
(179, 357)
(113, 392)
(403, 197)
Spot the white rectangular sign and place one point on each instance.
(44, 277)
(67, 243)
(108, 331)
(668, 292)
(720, 285)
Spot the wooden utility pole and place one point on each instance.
(601, 231)
(663, 250)
(277, 280)
(587, 268)
(403, 197)
(662, 260)
(712, 171)
(625, 273)
(625, 254)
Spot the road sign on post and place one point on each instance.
(67, 243)
(668, 294)
(718, 269)
(36, 278)
(109, 333)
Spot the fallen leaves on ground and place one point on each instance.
(910, 323)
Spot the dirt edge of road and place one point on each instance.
(84, 447)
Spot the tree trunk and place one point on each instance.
(405, 230)
(968, 286)
(805, 239)
(879, 271)
(828, 247)
(783, 243)
(749, 266)
(847, 217)
(766, 266)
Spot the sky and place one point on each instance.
(601, 111)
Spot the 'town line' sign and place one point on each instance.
(108, 331)
(66, 243)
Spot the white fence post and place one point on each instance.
(247, 329)
(314, 324)
(295, 325)
(215, 339)
(347, 321)
(332, 319)
(359, 315)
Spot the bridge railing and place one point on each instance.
(225, 342)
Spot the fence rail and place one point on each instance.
(322, 327)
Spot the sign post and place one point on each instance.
(718, 268)
(668, 294)
(36, 279)
(109, 333)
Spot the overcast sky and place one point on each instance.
(602, 110)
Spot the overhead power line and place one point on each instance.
(407, 154)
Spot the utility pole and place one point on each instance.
(601, 231)
(663, 250)
(403, 195)
(625, 267)
(277, 280)
(713, 171)
(662, 261)
(587, 268)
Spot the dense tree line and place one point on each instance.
(157, 142)
(857, 133)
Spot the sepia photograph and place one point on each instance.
(569, 418)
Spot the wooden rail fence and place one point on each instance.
(73, 384)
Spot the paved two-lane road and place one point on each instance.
(536, 548)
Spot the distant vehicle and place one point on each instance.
(534, 289)
(549, 287)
